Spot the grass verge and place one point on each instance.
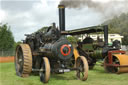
(96, 77)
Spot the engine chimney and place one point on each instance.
(61, 17)
(106, 35)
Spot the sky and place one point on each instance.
(27, 16)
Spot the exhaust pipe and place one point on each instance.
(106, 35)
(61, 17)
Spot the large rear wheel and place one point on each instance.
(45, 70)
(23, 60)
(82, 65)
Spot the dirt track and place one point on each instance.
(6, 59)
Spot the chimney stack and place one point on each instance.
(61, 17)
(106, 35)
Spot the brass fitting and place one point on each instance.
(61, 6)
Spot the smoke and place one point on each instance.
(108, 9)
(78, 3)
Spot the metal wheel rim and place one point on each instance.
(42, 73)
(82, 64)
(19, 62)
(45, 70)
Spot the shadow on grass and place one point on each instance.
(63, 77)
(99, 69)
(57, 76)
(34, 74)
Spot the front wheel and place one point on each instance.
(82, 65)
(45, 70)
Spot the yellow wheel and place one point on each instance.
(118, 59)
(45, 70)
(23, 60)
(82, 65)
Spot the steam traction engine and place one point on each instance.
(49, 51)
(115, 60)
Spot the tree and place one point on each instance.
(119, 24)
(72, 39)
(6, 38)
(16, 44)
(43, 29)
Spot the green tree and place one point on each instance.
(16, 44)
(119, 24)
(72, 39)
(43, 29)
(6, 38)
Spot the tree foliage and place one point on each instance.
(43, 29)
(16, 44)
(6, 38)
(119, 24)
(72, 39)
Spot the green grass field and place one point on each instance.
(96, 77)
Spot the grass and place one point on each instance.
(96, 77)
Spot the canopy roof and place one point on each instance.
(86, 30)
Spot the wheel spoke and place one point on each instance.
(82, 74)
(82, 64)
(78, 74)
(45, 73)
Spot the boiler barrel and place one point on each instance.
(98, 54)
(61, 49)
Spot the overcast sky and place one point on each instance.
(27, 16)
